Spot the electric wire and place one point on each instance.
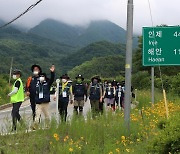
(27, 10)
(160, 72)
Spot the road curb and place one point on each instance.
(2, 107)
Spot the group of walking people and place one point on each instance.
(38, 87)
(109, 94)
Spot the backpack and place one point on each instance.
(28, 83)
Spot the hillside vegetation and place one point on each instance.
(80, 35)
(106, 67)
(98, 49)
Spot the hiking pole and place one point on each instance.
(57, 100)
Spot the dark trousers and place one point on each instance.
(101, 104)
(121, 101)
(62, 107)
(33, 107)
(94, 108)
(15, 114)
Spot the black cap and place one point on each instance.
(114, 83)
(64, 76)
(16, 71)
(96, 77)
(35, 65)
(43, 74)
(79, 77)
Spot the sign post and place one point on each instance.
(152, 85)
(161, 47)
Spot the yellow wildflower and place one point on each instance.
(55, 135)
(67, 137)
(79, 148)
(57, 138)
(118, 150)
(123, 137)
(71, 149)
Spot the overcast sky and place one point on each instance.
(80, 12)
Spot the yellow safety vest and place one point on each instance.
(19, 96)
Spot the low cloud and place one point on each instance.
(81, 12)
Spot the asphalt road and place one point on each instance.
(26, 114)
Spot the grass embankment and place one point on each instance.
(150, 132)
(4, 90)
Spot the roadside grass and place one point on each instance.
(144, 98)
(106, 134)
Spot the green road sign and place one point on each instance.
(161, 46)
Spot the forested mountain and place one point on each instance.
(80, 36)
(97, 49)
(56, 31)
(28, 48)
(106, 67)
(13, 33)
(26, 54)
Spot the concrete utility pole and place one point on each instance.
(152, 85)
(128, 65)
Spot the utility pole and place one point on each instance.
(10, 71)
(152, 85)
(128, 65)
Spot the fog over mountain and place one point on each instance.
(82, 12)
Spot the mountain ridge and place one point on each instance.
(98, 30)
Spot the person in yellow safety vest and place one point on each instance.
(16, 97)
(65, 95)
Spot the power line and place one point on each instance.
(160, 72)
(27, 10)
(150, 13)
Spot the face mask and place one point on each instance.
(35, 72)
(64, 80)
(14, 77)
(41, 79)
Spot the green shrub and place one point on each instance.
(170, 83)
(175, 84)
(168, 139)
(141, 80)
(4, 89)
